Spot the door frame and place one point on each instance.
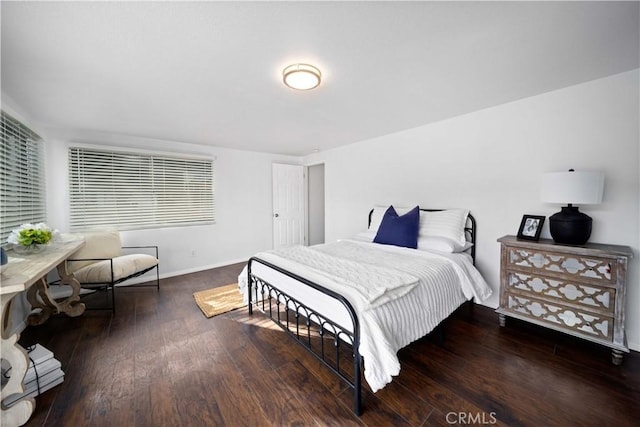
(308, 202)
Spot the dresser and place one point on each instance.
(579, 290)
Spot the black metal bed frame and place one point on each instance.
(269, 296)
(288, 313)
(470, 230)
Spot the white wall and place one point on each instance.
(243, 203)
(491, 161)
(242, 199)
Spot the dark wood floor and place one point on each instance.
(160, 362)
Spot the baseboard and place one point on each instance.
(151, 275)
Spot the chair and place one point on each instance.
(101, 264)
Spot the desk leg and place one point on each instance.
(72, 305)
(39, 297)
(19, 412)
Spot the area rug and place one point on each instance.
(219, 300)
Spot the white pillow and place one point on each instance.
(449, 224)
(441, 244)
(438, 244)
(99, 244)
(365, 236)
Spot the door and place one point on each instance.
(288, 205)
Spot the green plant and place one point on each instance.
(33, 236)
(29, 234)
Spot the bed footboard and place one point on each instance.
(310, 328)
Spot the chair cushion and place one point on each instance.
(123, 266)
(103, 244)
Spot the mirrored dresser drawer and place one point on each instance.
(579, 290)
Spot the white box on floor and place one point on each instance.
(44, 372)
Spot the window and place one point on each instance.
(22, 194)
(138, 190)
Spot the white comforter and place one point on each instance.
(400, 294)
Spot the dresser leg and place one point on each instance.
(616, 357)
(502, 319)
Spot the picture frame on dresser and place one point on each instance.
(531, 227)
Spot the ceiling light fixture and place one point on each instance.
(301, 76)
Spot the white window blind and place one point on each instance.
(22, 193)
(138, 190)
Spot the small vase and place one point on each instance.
(3, 259)
(29, 250)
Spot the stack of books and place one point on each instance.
(44, 372)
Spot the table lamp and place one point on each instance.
(570, 226)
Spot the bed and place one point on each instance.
(355, 302)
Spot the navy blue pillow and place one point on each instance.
(399, 230)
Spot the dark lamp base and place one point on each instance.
(570, 226)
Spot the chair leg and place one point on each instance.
(113, 298)
(157, 278)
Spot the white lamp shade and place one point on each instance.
(572, 187)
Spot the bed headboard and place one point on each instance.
(470, 230)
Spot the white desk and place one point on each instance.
(28, 273)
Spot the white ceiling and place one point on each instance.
(211, 72)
